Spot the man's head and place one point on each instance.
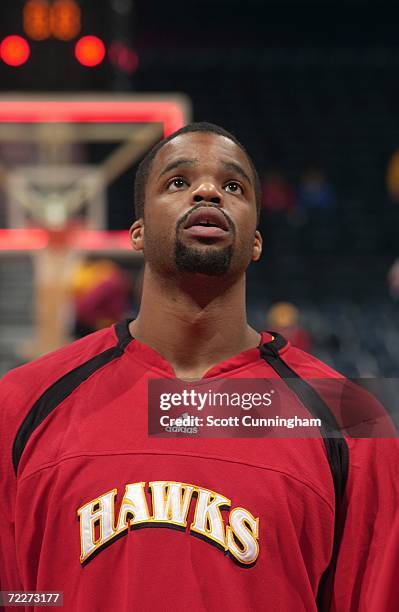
(144, 168)
(197, 200)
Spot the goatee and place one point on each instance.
(211, 261)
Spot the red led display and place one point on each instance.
(14, 50)
(90, 51)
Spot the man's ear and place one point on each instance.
(257, 246)
(137, 234)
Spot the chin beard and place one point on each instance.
(210, 261)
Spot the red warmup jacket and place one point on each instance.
(386, 591)
(117, 520)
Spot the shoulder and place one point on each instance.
(22, 386)
(309, 365)
(355, 403)
(301, 362)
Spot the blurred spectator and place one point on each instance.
(101, 295)
(283, 317)
(315, 191)
(393, 280)
(392, 177)
(277, 195)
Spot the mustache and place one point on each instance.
(181, 222)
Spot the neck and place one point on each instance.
(193, 323)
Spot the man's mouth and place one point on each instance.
(205, 231)
(206, 222)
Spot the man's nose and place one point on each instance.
(207, 192)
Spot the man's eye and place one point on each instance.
(233, 187)
(177, 182)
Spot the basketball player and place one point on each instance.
(93, 506)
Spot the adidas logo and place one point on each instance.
(185, 427)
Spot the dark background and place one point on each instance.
(298, 84)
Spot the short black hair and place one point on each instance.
(144, 168)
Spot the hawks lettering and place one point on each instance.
(170, 503)
(133, 505)
(208, 521)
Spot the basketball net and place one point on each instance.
(66, 199)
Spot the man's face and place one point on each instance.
(200, 211)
